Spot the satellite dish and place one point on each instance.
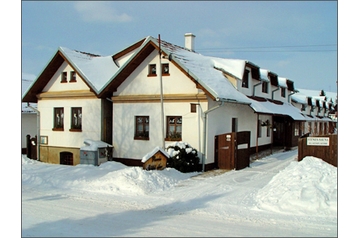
(170, 57)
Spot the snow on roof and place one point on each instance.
(97, 70)
(25, 85)
(93, 145)
(264, 75)
(201, 68)
(279, 109)
(282, 82)
(330, 96)
(155, 150)
(300, 98)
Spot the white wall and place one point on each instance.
(125, 146)
(91, 124)
(28, 126)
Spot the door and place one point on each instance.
(225, 151)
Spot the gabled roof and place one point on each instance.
(95, 70)
(200, 69)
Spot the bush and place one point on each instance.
(183, 157)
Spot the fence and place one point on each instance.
(323, 147)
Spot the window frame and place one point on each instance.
(73, 119)
(177, 134)
(64, 77)
(58, 125)
(163, 67)
(150, 70)
(73, 76)
(265, 87)
(143, 133)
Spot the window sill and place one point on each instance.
(57, 129)
(73, 81)
(141, 138)
(165, 74)
(151, 75)
(63, 81)
(173, 139)
(76, 130)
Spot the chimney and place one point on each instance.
(189, 41)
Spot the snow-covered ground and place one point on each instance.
(275, 196)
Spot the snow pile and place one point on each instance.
(305, 187)
(110, 177)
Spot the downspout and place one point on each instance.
(288, 98)
(273, 91)
(204, 133)
(253, 92)
(38, 130)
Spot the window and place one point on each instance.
(152, 70)
(58, 119)
(165, 69)
(73, 77)
(64, 77)
(283, 92)
(141, 128)
(174, 128)
(193, 107)
(264, 87)
(76, 119)
(245, 80)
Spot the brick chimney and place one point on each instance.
(189, 41)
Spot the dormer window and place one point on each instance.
(245, 80)
(265, 87)
(152, 70)
(283, 92)
(73, 77)
(64, 77)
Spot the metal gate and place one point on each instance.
(233, 150)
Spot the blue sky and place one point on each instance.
(295, 39)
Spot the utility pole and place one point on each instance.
(161, 93)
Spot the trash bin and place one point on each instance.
(95, 152)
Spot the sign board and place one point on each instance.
(318, 141)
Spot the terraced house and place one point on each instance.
(153, 93)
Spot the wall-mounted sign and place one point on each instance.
(318, 141)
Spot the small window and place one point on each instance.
(141, 128)
(268, 129)
(64, 77)
(283, 92)
(58, 119)
(152, 70)
(193, 107)
(174, 128)
(165, 69)
(245, 80)
(73, 77)
(76, 119)
(265, 87)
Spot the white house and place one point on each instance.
(153, 93)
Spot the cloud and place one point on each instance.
(100, 12)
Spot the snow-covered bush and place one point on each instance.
(183, 157)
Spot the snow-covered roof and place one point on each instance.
(282, 108)
(282, 82)
(153, 152)
(264, 75)
(93, 145)
(202, 69)
(300, 98)
(96, 70)
(25, 85)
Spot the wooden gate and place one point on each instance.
(233, 150)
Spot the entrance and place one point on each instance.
(232, 150)
(66, 158)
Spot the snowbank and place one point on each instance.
(110, 177)
(305, 187)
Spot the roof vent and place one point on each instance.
(189, 41)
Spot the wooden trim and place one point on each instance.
(156, 98)
(66, 94)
